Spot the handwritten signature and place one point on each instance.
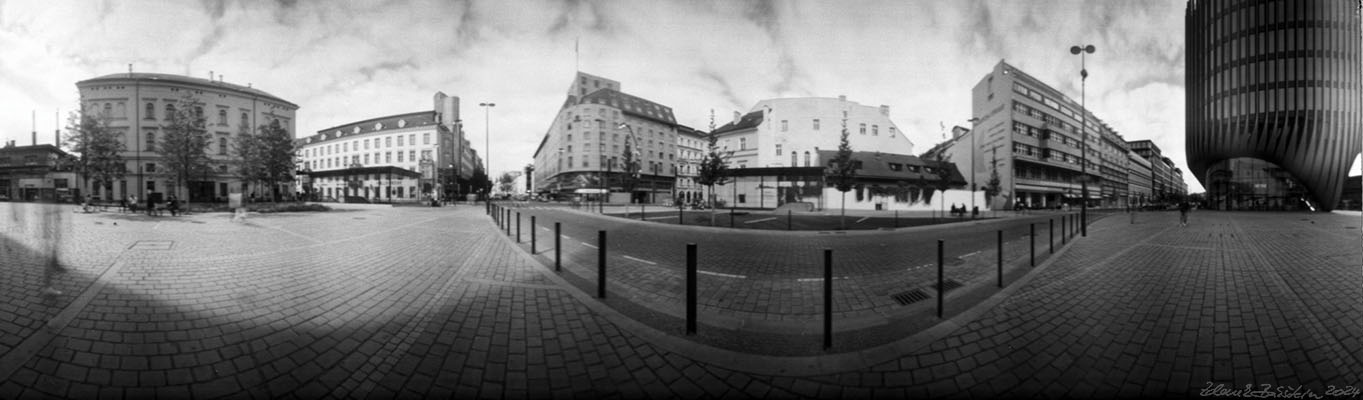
(1265, 391)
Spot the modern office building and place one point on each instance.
(1139, 179)
(1030, 134)
(137, 104)
(1274, 94)
(397, 158)
(583, 151)
(1166, 179)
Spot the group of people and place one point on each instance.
(960, 211)
(171, 204)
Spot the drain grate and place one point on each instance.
(949, 284)
(152, 245)
(910, 297)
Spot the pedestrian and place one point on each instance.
(151, 204)
(1183, 213)
(132, 202)
(173, 205)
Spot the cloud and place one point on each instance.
(346, 61)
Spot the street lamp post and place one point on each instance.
(1083, 133)
(973, 150)
(487, 145)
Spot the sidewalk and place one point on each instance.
(435, 302)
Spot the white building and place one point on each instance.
(691, 148)
(396, 158)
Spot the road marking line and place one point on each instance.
(588, 245)
(970, 254)
(641, 260)
(760, 220)
(862, 219)
(723, 275)
(836, 278)
(565, 237)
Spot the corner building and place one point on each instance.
(138, 103)
(1274, 108)
(583, 150)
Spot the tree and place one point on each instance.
(992, 188)
(267, 156)
(713, 170)
(184, 141)
(842, 171)
(100, 150)
(629, 165)
(478, 183)
(507, 182)
(943, 171)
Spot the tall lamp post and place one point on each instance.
(973, 150)
(1083, 133)
(487, 145)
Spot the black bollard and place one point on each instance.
(1050, 231)
(690, 288)
(1000, 258)
(1032, 235)
(558, 236)
(941, 285)
(601, 264)
(518, 227)
(827, 299)
(532, 235)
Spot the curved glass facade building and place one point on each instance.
(1274, 100)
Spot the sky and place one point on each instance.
(343, 62)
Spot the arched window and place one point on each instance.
(806, 158)
(150, 111)
(151, 141)
(222, 117)
(244, 121)
(794, 159)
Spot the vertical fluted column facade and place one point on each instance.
(1276, 80)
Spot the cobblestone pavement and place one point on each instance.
(426, 302)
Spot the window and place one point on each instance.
(151, 167)
(150, 111)
(366, 159)
(222, 117)
(892, 131)
(570, 137)
(784, 126)
(806, 158)
(778, 149)
(570, 161)
(411, 155)
(198, 113)
(570, 148)
(108, 110)
(222, 146)
(399, 140)
(425, 138)
(816, 124)
(388, 141)
(743, 142)
(388, 157)
(411, 139)
(399, 153)
(151, 141)
(863, 129)
(170, 111)
(875, 130)
(896, 167)
(425, 154)
(794, 159)
(244, 121)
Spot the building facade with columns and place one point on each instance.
(137, 104)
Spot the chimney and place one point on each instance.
(842, 97)
(210, 75)
(737, 117)
(884, 110)
(35, 127)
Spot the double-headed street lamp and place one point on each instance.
(1083, 133)
(487, 146)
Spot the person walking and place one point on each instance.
(173, 205)
(1183, 213)
(151, 205)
